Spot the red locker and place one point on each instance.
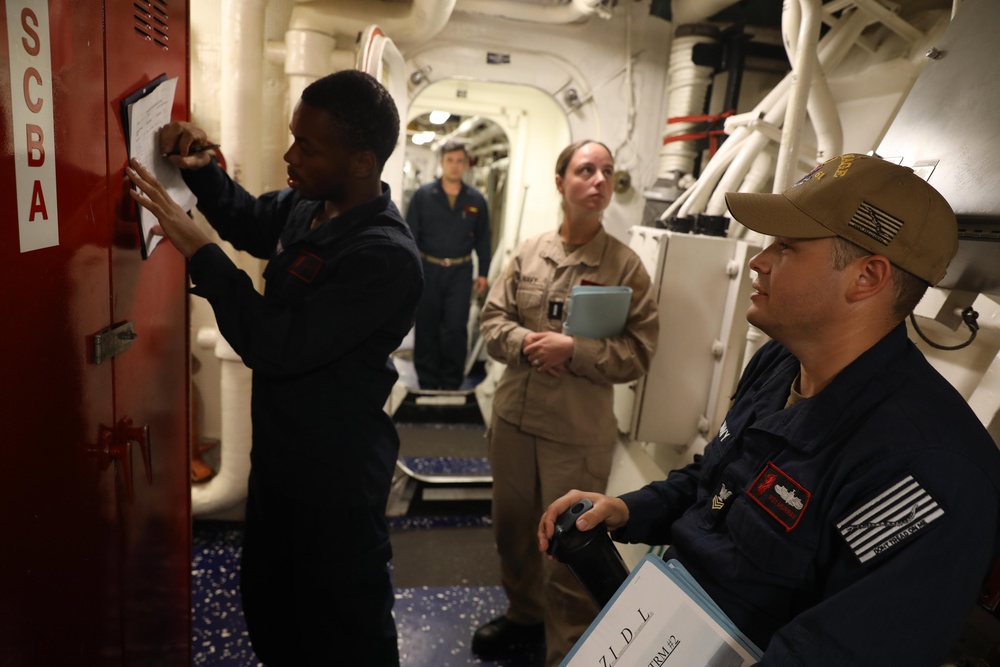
(95, 511)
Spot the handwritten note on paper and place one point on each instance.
(145, 118)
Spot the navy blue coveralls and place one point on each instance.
(445, 234)
(338, 300)
(852, 528)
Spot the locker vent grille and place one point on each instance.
(152, 22)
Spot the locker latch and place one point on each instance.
(113, 341)
(115, 446)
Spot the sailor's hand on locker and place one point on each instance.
(613, 511)
(175, 223)
(548, 351)
(180, 142)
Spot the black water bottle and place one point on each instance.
(590, 554)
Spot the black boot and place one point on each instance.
(501, 637)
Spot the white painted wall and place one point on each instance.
(589, 58)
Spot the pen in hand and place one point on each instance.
(194, 149)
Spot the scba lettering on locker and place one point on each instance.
(28, 45)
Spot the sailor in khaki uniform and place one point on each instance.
(553, 426)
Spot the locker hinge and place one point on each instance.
(113, 341)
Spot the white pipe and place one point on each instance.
(795, 112)
(822, 110)
(241, 104)
(405, 23)
(709, 176)
(738, 168)
(310, 46)
(696, 11)
(572, 12)
(821, 107)
(379, 57)
(228, 488)
(687, 86)
(759, 173)
(891, 20)
(240, 111)
(834, 47)
(310, 55)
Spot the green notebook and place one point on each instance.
(597, 311)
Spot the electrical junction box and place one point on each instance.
(703, 286)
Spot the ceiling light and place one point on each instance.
(421, 138)
(439, 117)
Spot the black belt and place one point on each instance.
(446, 261)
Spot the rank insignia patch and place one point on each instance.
(889, 520)
(718, 506)
(306, 266)
(779, 495)
(719, 501)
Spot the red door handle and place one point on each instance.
(139, 435)
(115, 446)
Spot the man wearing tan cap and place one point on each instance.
(847, 511)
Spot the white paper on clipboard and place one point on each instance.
(145, 118)
(661, 616)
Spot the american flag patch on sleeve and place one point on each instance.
(890, 520)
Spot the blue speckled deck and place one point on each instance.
(435, 624)
(447, 465)
(405, 522)
(219, 634)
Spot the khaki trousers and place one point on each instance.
(529, 473)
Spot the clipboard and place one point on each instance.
(661, 613)
(132, 99)
(597, 311)
(144, 112)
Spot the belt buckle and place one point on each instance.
(446, 262)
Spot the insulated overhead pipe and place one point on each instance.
(571, 12)
(241, 101)
(409, 24)
(696, 11)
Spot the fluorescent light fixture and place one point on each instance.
(421, 138)
(439, 117)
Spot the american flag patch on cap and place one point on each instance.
(875, 223)
(889, 520)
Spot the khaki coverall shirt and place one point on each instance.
(576, 408)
